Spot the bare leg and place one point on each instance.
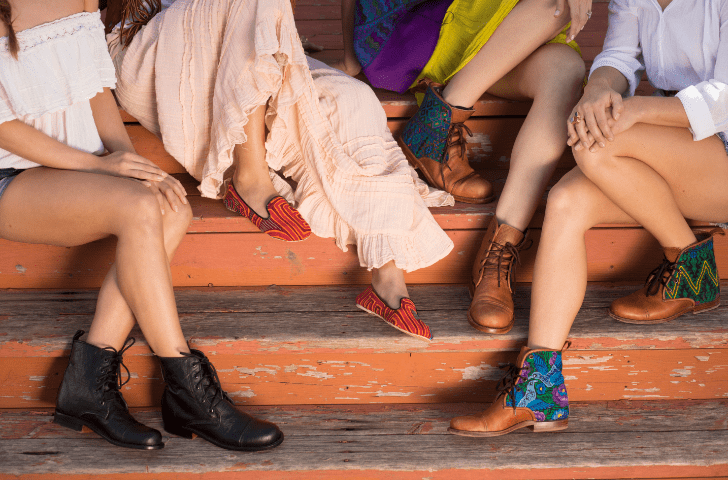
(552, 77)
(113, 318)
(78, 208)
(349, 64)
(530, 24)
(695, 174)
(388, 282)
(251, 178)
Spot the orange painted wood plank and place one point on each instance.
(251, 259)
(295, 379)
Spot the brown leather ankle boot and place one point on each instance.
(686, 281)
(531, 394)
(434, 142)
(491, 310)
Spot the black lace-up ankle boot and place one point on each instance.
(89, 397)
(194, 403)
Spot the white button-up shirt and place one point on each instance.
(684, 48)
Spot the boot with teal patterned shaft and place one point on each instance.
(686, 281)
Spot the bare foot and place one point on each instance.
(388, 282)
(348, 66)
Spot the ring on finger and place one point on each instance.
(575, 119)
(589, 15)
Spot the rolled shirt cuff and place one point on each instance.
(699, 115)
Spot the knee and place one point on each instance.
(593, 163)
(141, 210)
(176, 224)
(568, 204)
(562, 69)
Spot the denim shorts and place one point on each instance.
(6, 176)
(724, 136)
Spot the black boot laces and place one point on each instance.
(659, 276)
(507, 384)
(109, 381)
(209, 382)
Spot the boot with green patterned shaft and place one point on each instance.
(686, 281)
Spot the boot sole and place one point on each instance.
(78, 425)
(694, 310)
(496, 331)
(190, 434)
(536, 427)
(415, 163)
(481, 328)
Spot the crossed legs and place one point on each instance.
(77, 208)
(652, 175)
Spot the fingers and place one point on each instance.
(617, 105)
(590, 143)
(603, 125)
(157, 193)
(573, 136)
(592, 126)
(560, 4)
(580, 13)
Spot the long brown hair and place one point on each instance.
(133, 15)
(6, 18)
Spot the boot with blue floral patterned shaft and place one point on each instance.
(434, 143)
(686, 281)
(531, 394)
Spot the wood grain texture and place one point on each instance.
(278, 346)
(654, 439)
(254, 259)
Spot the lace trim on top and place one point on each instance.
(60, 63)
(47, 32)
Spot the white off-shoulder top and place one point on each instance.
(61, 66)
(683, 48)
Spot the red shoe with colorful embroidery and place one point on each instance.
(283, 222)
(404, 318)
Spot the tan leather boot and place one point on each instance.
(531, 394)
(686, 281)
(434, 142)
(491, 288)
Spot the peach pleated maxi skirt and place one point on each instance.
(199, 68)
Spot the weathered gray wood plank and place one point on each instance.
(693, 434)
(322, 317)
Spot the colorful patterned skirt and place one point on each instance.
(435, 38)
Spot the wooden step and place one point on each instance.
(605, 440)
(224, 249)
(283, 345)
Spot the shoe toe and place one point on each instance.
(467, 423)
(491, 315)
(261, 434)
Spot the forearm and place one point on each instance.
(25, 141)
(109, 124)
(608, 78)
(668, 112)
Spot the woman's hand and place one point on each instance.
(632, 112)
(127, 164)
(168, 191)
(581, 11)
(592, 115)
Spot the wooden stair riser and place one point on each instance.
(334, 378)
(253, 259)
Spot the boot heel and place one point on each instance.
(179, 431)
(68, 422)
(550, 426)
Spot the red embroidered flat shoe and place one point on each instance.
(283, 222)
(404, 318)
